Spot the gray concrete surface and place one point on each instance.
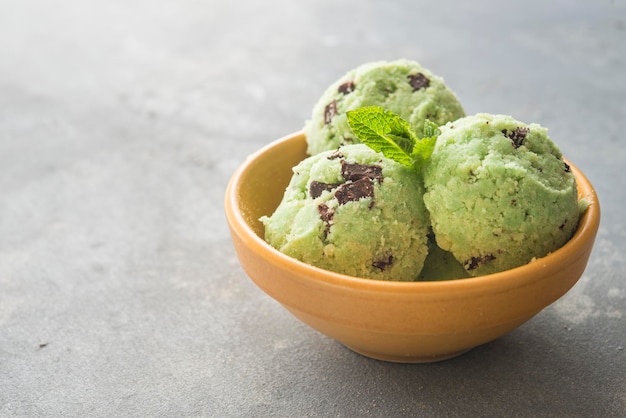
(120, 124)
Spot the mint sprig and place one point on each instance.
(389, 134)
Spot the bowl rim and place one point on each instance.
(520, 276)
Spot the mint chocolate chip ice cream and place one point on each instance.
(403, 87)
(499, 193)
(355, 212)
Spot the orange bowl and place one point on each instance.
(394, 321)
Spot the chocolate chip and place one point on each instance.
(475, 262)
(355, 171)
(316, 188)
(418, 81)
(383, 263)
(335, 155)
(567, 167)
(346, 88)
(562, 226)
(330, 111)
(326, 214)
(517, 136)
(356, 190)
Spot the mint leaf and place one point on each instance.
(388, 133)
(431, 129)
(385, 132)
(424, 147)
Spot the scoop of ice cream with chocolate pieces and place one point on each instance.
(499, 193)
(403, 87)
(354, 212)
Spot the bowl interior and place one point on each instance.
(263, 183)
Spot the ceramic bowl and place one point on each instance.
(394, 321)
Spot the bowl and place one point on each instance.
(407, 322)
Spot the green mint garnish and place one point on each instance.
(424, 147)
(389, 134)
(384, 131)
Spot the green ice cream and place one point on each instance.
(440, 265)
(403, 87)
(354, 212)
(499, 193)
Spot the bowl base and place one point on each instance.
(406, 359)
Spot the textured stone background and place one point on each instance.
(122, 121)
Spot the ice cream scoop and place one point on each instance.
(353, 211)
(499, 193)
(402, 86)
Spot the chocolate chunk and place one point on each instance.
(354, 171)
(330, 111)
(562, 226)
(356, 190)
(346, 88)
(475, 262)
(567, 167)
(335, 155)
(517, 136)
(383, 263)
(326, 214)
(418, 81)
(316, 188)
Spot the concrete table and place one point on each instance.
(120, 125)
